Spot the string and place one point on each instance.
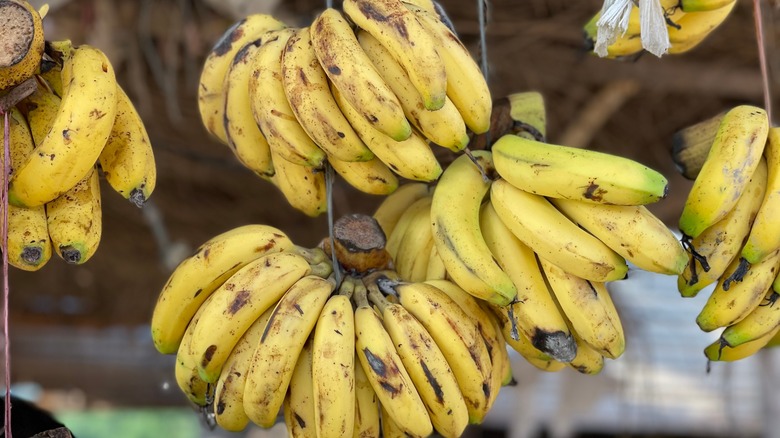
(481, 7)
(758, 17)
(328, 4)
(4, 230)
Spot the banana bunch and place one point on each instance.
(367, 90)
(688, 23)
(730, 229)
(77, 124)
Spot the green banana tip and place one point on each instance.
(72, 255)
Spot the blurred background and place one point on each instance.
(80, 344)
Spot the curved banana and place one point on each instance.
(733, 158)
(333, 369)
(457, 337)
(691, 145)
(435, 269)
(508, 322)
(456, 230)
(302, 186)
(77, 135)
(720, 352)
(271, 109)
(444, 126)
(391, 429)
(299, 411)
(75, 220)
(197, 276)
(185, 371)
(587, 360)
(352, 73)
(242, 133)
(127, 160)
(308, 92)
(366, 406)
(712, 251)
(589, 308)
(574, 173)
(528, 114)
(229, 392)
(427, 366)
(399, 231)
(385, 370)
(696, 26)
(547, 231)
(371, 176)
(408, 41)
(534, 309)
(394, 205)
(417, 241)
(273, 362)
(211, 88)
(632, 231)
(760, 321)
(411, 158)
(238, 303)
(21, 17)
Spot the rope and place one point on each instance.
(758, 17)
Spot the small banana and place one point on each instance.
(417, 240)
(366, 406)
(197, 390)
(395, 204)
(691, 145)
(302, 186)
(404, 222)
(760, 321)
(371, 176)
(435, 269)
(717, 351)
(300, 415)
(695, 27)
(587, 360)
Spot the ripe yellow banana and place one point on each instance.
(417, 240)
(229, 392)
(385, 370)
(712, 251)
(411, 158)
(729, 303)
(21, 18)
(760, 321)
(197, 276)
(573, 173)
(51, 71)
(238, 303)
(587, 360)
(695, 27)
(456, 230)
(333, 369)
(549, 233)
(395, 204)
(299, 411)
(272, 364)
(427, 366)
(75, 220)
(435, 269)
(444, 126)
(508, 322)
(366, 406)
(691, 145)
(211, 89)
(351, 72)
(399, 231)
(271, 108)
(733, 158)
(589, 308)
(302, 186)
(391, 429)
(458, 338)
(535, 311)
(127, 160)
(77, 135)
(528, 113)
(632, 231)
(372, 176)
(242, 134)
(185, 371)
(718, 351)
(308, 92)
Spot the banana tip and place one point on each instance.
(32, 255)
(137, 197)
(71, 255)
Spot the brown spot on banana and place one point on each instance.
(208, 355)
(240, 300)
(231, 36)
(594, 192)
(433, 382)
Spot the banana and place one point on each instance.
(427, 366)
(573, 173)
(715, 248)
(238, 303)
(242, 134)
(508, 322)
(720, 352)
(404, 222)
(371, 176)
(456, 230)
(75, 220)
(29, 245)
(589, 308)
(549, 233)
(286, 137)
(632, 231)
(185, 371)
(302, 186)
(729, 303)
(391, 429)
(466, 84)
(21, 18)
(395, 204)
(588, 360)
(127, 160)
(444, 126)
(197, 276)
(300, 415)
(385, 371)
(500, 360)
(51, 71)
(411, 158)
(352, 73)
(691, 145)
(704, 5)
(435, 269)
(273, 362)
(211, 87)
(695, 27)
(77, 135)
(333, 369)
(527, 110)
(229, 392)
(535, 311)
(457, 337)
(366, 406)
(760, 321)
(308, 92)
(734, 156)
(417, 241)
(408, 41)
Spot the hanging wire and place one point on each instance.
(758, 17)
(482, 6)
(4, 231)
(328, 4)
